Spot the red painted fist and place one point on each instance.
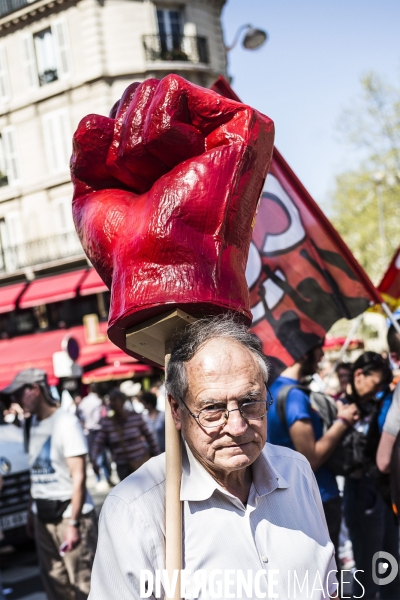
(166, 191)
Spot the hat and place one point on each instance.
(129, 388)
(26, 377)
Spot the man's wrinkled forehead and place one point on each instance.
(222, 362)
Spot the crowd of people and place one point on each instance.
(348, 435)
(60, 441)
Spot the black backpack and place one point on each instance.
(354, 450)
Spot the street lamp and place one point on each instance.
(253, 39)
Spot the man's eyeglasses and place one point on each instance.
(215, 417)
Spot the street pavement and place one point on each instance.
(19, 567)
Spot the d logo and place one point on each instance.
(382, 568)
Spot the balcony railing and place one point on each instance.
(192, 49)
(10, 6)
(40, 251)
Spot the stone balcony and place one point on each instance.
(39, 252)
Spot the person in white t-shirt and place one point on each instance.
(62, 515)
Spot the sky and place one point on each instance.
(309, 72)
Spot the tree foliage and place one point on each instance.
(366, 202)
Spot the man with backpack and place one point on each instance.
(294, 421)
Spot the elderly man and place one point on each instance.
(253, 519)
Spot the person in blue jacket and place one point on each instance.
(302, 430)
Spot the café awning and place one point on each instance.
(115, 372)
(52, 289)
(37, 349)
(9, 295)
(92, 284)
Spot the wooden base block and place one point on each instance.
(150, 339)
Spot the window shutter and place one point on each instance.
(63, 213)
(3, 165)
(30, 61)
(49, 142)
(4, 79)
(59, 29)
(13, 169)
(14, 234)
(57, 140)
(63, 139)
(13, 241)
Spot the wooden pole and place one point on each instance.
(151, 340)
(173, 504)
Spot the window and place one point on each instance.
(47, 54)
(10, 171)
(170, 28)
(4, 79)
(57, 138)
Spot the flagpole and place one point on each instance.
(391, 316)
(354, 327)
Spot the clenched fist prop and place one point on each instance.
(165, 195)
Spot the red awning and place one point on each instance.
(52, 289)
(92, 284)
(9, 295)
(111, 372)
(37, 349)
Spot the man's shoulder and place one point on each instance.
(392, 421)
(287, 461)
(396, 395)
(65, 418)
(146, 483)
(60, 418)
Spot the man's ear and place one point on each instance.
(175, 411)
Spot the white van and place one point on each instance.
(14, 497)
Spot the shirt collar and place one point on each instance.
(197, 484)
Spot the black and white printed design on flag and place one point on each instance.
(292, 232)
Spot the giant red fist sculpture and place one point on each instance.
(166, 192)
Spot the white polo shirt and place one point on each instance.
(277, 546)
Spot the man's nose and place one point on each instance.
(236, 424)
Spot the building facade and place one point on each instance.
(60, 60)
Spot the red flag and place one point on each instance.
(389, 287)
(301, 275)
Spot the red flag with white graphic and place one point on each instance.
(301, 275)
(389, 287)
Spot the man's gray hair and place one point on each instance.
(188, 342)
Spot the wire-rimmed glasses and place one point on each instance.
(216, 417)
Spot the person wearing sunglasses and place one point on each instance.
(248, 507)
